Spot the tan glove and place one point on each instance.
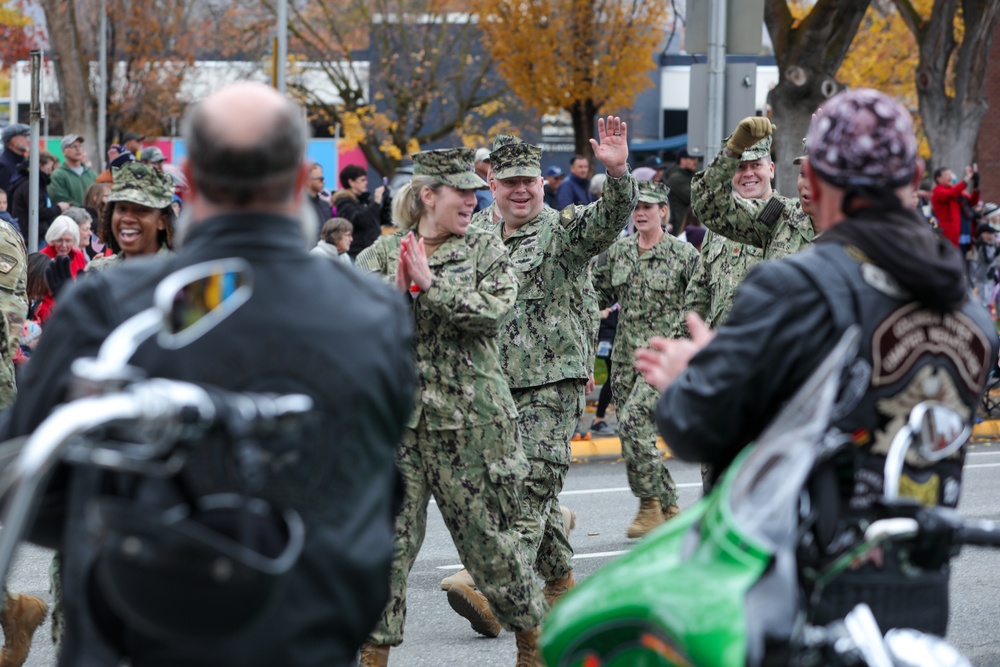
(750, 130)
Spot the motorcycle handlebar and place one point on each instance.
(979, 532)
(183, 409)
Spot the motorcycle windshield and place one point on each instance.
(766, 484)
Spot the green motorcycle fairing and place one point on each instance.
(707, 587)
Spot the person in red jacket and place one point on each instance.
(945, 204)
(63, 238)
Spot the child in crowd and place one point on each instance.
(4, 213)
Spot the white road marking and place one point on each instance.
(620, 489)
(599, 554)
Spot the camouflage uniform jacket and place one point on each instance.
(710, 293)
(484, 219)
(105, 262)
(546, 337)
(777, 225)
(459, 380)
(13, 304)
(650, 288)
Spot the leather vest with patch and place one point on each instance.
(907, 354)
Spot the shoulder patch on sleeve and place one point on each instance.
(568, 214)
(7, 262)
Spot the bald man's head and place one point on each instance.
(246, 145)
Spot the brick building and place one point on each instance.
(988, 148)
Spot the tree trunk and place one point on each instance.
(792, 107)
(584, 116)
(72, 66)
(952, 121)
(809, 53)
(953, 142)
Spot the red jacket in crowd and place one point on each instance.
(947, 210)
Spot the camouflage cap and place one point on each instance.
(514, 160)
(152, 154)
(805, 153)
(760, 149)
(504, 140)
(653, 192)
(141, 184)
(451, 166)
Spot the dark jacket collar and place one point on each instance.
(248, 233)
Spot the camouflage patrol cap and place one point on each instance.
(504, 140)
(760, 149)
(805, 154)
(514, 160)
(653, 192)
(141, 184)
(451, 166)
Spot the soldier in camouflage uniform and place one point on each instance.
(461, 444)
(21, 613)
(544, 342)
(647, 274)
(775, 224)
(724, 263)
(139, 202)
(488, 216)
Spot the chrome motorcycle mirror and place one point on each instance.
(186, 304)
(194, 300)
(934, 430)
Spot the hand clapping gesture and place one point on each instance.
(413, 268)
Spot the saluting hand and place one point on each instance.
(611, 145)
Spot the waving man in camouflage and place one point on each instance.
(543, 342)
(766, 220)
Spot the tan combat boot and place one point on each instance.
(460, 577)
(649, 517)
(569, 519)
(20, 617)
(374, 655)
(528, 654)
(556, 589)
(472, 605)
(671, 511)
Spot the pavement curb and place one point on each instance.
(605, 448)
(989, 428)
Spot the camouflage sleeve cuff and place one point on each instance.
(621, 195)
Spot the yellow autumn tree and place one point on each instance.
(586, 57)
(932, 55)
(884, 38)
(811, 38)
(953, 39)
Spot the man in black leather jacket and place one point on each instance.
(877, 265)
(309, 327)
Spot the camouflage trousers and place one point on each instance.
(475, 475)
(635, 403)
(547, 416)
